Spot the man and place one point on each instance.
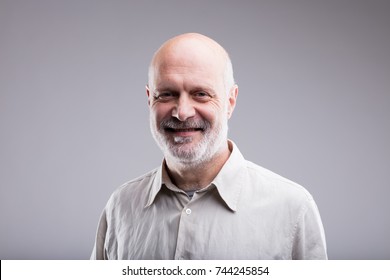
(205, 201)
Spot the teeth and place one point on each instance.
(186, 129)
(182, 129)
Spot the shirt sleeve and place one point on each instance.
(99, 252)
(309, 238)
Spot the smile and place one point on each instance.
(179, 130)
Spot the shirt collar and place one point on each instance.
(155, 185)
(229, 181)
(232, 177)
(160, 179)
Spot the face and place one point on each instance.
(189, 107)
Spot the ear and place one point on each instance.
(233, 93)
(148, 93)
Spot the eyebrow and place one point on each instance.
(194, 89)
(164, 88)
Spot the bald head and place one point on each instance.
(192, 49)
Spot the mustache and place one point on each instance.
(173, 123)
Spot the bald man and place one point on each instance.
(205, 201)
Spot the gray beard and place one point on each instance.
(198, 155)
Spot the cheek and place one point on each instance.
(214, 113)
(210, 116)
(160, 111)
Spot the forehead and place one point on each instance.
(188, 65)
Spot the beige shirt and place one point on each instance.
(247, 212)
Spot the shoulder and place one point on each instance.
(134, 190)
(139, 181)
(274, 184)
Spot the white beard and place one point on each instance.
(183, 151)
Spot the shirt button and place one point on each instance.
(188, 211)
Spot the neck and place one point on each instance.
(189, 177)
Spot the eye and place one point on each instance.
(201, 95)
(164, 96)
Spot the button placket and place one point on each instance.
(183, 231)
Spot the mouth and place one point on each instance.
(182, 130)
(186, 129)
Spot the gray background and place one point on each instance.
(313, 106)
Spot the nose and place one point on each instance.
(184, 108)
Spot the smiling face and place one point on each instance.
(188, 100)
